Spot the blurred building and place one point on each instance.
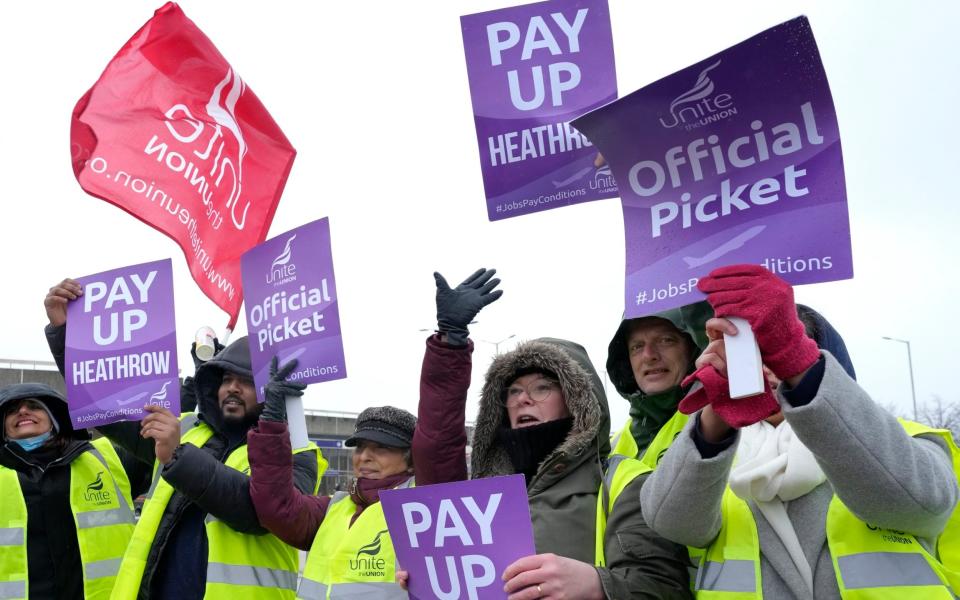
(30, 371)
(328, 429)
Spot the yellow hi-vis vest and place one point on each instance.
(870, 563)
(356, 562)
(102, 513)
(239, 566)
(621, 471)
(624, 444)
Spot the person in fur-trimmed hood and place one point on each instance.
(542, 413)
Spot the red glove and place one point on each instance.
(766, 302)
(716, 391)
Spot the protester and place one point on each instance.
(198, 535)
(66, 509)
(338, 529)
(542, 413)
(821, 493)
(647, 361)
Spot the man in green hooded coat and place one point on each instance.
(647, 361)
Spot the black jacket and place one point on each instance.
(203, 484)
(53, 556)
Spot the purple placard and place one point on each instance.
(735, 159)
(532, 69)
(456, 539)
(290, 298)
(122, 345)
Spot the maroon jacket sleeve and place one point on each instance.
(440, 439)
(285, 511)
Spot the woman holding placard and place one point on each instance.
(350, 550)
(66, 512)
(543, 413)
(809, 490)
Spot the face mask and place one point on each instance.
(32, 443)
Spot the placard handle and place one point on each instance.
(744, 367)
(297, 422)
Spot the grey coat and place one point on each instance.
(884, 476)
(563, 492)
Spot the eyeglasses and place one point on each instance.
(538, 391)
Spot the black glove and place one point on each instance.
(456, 308)
(277, 390)
(197, 361)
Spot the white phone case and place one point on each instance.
(744, 368)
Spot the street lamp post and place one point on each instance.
(913, 390)
(496, 345)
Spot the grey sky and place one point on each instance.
(374, 97)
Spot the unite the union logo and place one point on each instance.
(282, 269)
(370, 564)
(699, 105)
(95, 492)
(211, 160)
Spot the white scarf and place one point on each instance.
(773, 466)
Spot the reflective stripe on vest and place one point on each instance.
(620, 472)
(239, 566)
(624, 444)
(885, 569)
(103, 520)
(870, 563)
(371, 590)
(254, 576)
(13, 590)
(11, 536)
(351, 561)
(728, 576)
(102, 568)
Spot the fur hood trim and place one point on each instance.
(581, 388)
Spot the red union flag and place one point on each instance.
(172, 135)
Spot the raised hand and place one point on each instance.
(277, 390)
(57, 298)
(714, 389)
(766, 302)
(457, 307)
(197, 361)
